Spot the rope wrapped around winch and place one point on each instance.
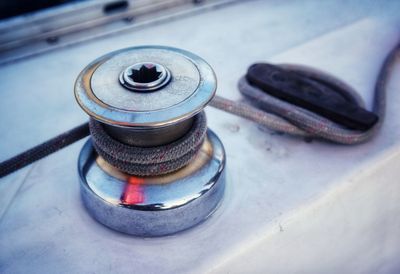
(150, 161)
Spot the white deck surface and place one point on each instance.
(290, 206)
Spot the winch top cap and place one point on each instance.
(145, 86)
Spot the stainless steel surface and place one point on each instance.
(132, 85)
(158, 76)
(99, 93)
(184, 83)
(149, 137)
(153, 206)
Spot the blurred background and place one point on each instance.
(12, 8)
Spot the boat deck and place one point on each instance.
(290, 206)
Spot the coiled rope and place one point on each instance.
(266, 110)
(146, 161)
(281, 116)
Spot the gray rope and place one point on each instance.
(150, 161)
(281, 116)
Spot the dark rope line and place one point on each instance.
(40, 151)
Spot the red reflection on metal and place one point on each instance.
(133, 192)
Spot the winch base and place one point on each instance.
(153, 206)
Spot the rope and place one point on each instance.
(146, 161)
(275, 114)
(281, 116)
(40, 151)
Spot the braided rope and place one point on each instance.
(40, 151)
(146, 161)
(281, 116)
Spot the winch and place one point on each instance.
(151, 166)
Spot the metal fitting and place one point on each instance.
(146, 118)
(145, 76)
(148, 96)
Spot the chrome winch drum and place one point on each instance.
(149, 96)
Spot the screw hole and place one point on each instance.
(115, 7)
(52, 40)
